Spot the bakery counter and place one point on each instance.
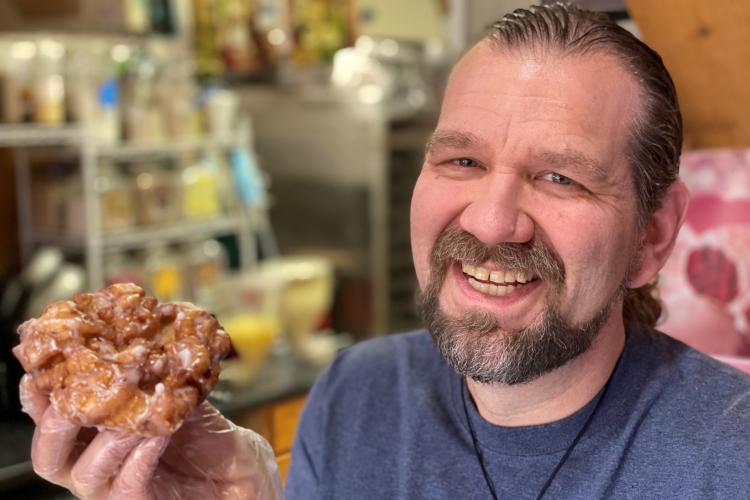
(282, 376)
(270, 405)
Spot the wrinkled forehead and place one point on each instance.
(585, 101)
(595, 75)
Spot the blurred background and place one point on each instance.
(257, 157)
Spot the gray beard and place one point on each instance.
(475, 344)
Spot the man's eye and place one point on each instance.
(465, 163)
(558, 179)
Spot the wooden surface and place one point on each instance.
(284, 416)
(277, 422)
(284, 460)
(706, 47)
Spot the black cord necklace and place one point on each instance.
(568, 451)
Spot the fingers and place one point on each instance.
(208, 419)
(52, 445)
(133, 481)
(33, 402)
(93, 471)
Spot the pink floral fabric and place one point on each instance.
(706, 283)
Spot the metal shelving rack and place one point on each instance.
(94, 243)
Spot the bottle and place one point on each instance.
(19, 106)
(206, 268)
(116, 199)
(164, 276)
(49, 85)
(200, 195)
(107, 128)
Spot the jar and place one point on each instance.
(207, 267)
(49, 84)
(157, 196)
(164, 274)
(116, 199)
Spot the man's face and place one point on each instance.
(524, 217)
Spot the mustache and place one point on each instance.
(534, 256)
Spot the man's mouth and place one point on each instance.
(496, 283)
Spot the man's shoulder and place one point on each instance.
(695, 385)
(689, 367)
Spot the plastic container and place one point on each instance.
(248, 309)
(307, 295)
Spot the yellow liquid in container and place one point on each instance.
(252, 335)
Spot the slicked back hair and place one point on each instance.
(655, 141)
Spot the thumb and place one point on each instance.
(33, 401)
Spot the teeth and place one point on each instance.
(489, 289)
(483, 274)
(478, 285)
(479, 275)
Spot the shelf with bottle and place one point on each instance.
(158, 159)
(29, 135)
(167, 149)
(36, 135)
(139, 237)
(139, 201)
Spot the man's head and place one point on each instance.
(548, 193)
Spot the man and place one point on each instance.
(547, 204)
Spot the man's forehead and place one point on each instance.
(487, 61)
(578, 107)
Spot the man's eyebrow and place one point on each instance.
(574, 160)
(450, 139)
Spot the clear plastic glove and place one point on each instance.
(207, 458)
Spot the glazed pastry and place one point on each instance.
(117, 359)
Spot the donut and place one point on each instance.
(117, 359)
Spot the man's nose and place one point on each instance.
(497, 213)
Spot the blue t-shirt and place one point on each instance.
(387, 421)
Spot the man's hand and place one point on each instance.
(207, 458)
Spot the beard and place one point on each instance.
(476, 345)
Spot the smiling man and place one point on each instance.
(548, 201)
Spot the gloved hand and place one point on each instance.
(207, 458)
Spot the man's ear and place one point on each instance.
(660, 234)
